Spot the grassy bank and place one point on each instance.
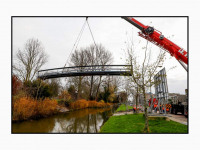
(123, 108)
(134, 123)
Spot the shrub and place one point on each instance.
(38, 89)
(64, 95)
(100, 105)
(102, 101)
(47, 107)
(80, 104)
(27, 108)
(24, 108)
(19, 95)
(92, 104)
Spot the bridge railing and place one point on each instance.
(84, 69)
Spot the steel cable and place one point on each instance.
(76, 43)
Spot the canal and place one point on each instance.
(87, 120)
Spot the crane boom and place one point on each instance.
(156, 37)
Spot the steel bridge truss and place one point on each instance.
(95, 70)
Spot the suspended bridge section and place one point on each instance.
(94, 70)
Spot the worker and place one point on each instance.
(133, 110)
(155, 109)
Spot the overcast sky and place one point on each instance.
(58, 35)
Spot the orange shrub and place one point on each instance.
(64, 95)
(101, 105)
(80, 104)
(47, 107)
(26, 108)
(92, 104)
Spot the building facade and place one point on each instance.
(176, 97)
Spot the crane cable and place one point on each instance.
(92, 34)
(76, 42)
(78, 39)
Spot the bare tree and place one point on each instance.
(29, 60)
(142, 73)
(123, 97)
(97, 55)
(79, 58)
(92, 55)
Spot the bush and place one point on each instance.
(27, 108)
(19, 95)
(80, 104)
(102, 101)
(64, 95)
(24, 108)
(47, 107)
(38, 89)
(100, 105)
(92, 104)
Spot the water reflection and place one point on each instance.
(82, 121)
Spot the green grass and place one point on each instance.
(134, 123)
(123, 108)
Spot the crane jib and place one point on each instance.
(150, 34)
(133, 23)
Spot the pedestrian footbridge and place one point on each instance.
(94, 70)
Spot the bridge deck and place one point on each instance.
(113, 70)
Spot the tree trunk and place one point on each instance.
(98, 89)
(146, 127)
(136, 100)
(91, 85)
(79, 87)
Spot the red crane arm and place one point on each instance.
(156, 37)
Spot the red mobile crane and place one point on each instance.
(156, 37)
